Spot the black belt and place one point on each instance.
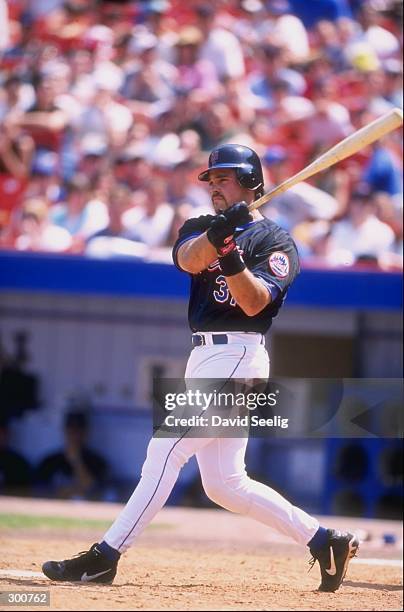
(199, 340)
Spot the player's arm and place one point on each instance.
(193, 253)
(275, 265)
(249, 292)
(196, 254)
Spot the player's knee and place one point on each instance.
(228, 493)
(213, 489)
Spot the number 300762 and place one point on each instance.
(20, 598)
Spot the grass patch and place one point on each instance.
(29, 521)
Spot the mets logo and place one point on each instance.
(214, 156)
(279, 264)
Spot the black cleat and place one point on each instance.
(333, 559)
(89, 566)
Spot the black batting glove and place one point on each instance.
(222, 227)
(220, 235)
(238, 215)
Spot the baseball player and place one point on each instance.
(241, 266)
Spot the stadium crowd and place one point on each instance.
(108, 111)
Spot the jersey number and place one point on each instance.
(222, 294)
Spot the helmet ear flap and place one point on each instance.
(247, 179)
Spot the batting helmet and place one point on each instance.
(245, 161)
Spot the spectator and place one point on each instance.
(93, 156)
(16, 151)
(149, 80)
(106, 117)
(16, 95)
(80, 215)
(182, 190)
(217, 126)
(377, 102)
(116, 238)
(328, 40)
(287, 107)
(393, 82)
(273, 68)
(192, 72)
(154, 225)
(362, 234)
(383, 173)
(383, 42)
(15, 471)
(45, 177)
(132, 168)
(390, 211)
(75, 471)
(37, 232)
(288, 30)
(82, 65)
(330, 122)
(19, 388)
(220, 47)
(44, 120)
(191, 145)
(313, 241)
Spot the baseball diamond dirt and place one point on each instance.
(193, 560)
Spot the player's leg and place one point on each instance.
(165, 458)
(224, 478)
(226, 482)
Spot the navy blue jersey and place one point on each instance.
(268, 252)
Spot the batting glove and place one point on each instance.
(220, 234)
(238, 215)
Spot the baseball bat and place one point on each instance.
(349, 146)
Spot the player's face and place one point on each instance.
(225, 189)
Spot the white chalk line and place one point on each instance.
(385, 562)
(21, 573)
(15, 573)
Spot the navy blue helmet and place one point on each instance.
(245, 161)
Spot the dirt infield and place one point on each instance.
(197, 560)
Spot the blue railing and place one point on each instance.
(43, 272)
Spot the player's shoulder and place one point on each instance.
(266, 230)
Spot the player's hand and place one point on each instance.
(204, 222)
(238, 215)
(220, 234)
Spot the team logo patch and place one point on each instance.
(214, 156)
(279, 264)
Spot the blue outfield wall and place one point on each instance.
(43, 272)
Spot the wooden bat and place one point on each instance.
(350, 145)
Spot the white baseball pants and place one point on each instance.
(220, 460)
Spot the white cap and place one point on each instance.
(142, 41)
